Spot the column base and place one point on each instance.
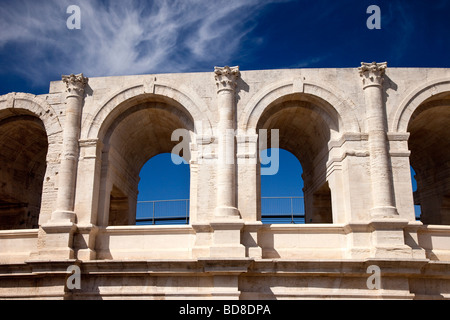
(227, 239)
(52, 254)
(388, 239)
(227, 212)
(203, 239)
(383, 212)
(55, 242)
(62, 215)
(236, 251)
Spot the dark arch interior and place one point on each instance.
(141, 132)
(23, 151)
(429, 144)
(305, 126)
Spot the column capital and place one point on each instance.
(226, 77)
(75, 84)
(372, 73)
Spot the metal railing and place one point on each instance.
(158, 211)
(283, 209)
(273, 210)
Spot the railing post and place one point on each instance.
(153, 222)
(187, 214)
(292, 211)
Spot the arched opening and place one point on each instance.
(282, 199)
(142, 131)
(23, 152)
(164, 191)
(305, 125)
(429, 143)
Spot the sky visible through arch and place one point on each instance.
(141, 37)
(286, 183)
(161, 179)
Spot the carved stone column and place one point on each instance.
(227, 224)
(69, 158)
(226, 78)
(372, 75)
(56, 236)
(386, 226)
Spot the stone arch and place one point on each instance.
(414, 99)
(322, 115)
(159, 110)
(95, 126)
(34, 105)
(343, 106)
(28, 129)
(424, 114)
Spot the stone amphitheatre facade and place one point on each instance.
(69, 173)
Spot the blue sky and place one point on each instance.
(120, 37)
(286, 183)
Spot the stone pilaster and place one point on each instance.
(372, 75)
(86, 204)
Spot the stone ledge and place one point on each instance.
(245, 278)
(347, 267)
(135, 230)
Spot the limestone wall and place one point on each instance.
(356, 132)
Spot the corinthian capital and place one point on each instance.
(372, 73)
(226, 77)
(75, 84)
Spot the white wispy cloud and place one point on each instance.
(123, 37)
(400, 17)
